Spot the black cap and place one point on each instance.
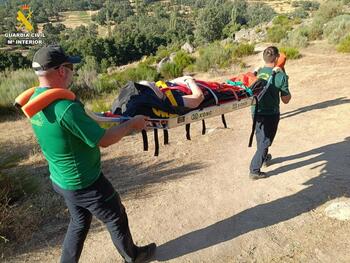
(50, 57)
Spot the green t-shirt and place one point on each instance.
(69, 141)
(270, 102)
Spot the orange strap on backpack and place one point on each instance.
(40, 102)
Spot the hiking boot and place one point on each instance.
(145, 254)
(256, 176)
(267, 160)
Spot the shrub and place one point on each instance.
(12, 61)
(12, 83)
(213, 56)
(243, 49)
(334, 29)
(291, 52)
(306, 5)
(281, 25)
(329, 9)
(300, 13)
(171, 70)
(297, 38)
(344, 45)
(281, 20)
(276, 34)
(141, 72)
(316, 29)
(182, 59)
(258, 13)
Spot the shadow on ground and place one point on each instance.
(317, 106)
(333, 182)
(126, 175)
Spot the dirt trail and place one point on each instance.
(197, 203)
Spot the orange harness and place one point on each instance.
(40, 102)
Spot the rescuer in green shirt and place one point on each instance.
(70, 142)
(268, 111)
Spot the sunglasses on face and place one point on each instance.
(70, 66)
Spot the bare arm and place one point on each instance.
(286, 99)
(116, 133)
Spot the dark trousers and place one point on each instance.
(266, 128)
(101, 200)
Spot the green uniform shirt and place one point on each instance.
(69, 141)
(270, 102)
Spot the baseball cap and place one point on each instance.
(50, 57)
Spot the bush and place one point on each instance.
(300, 13)
(258, 13)
(344, 45)
(12, 83)
(281, 25)
(243, 49)
(316, 29)
(329, 9)
(276, 34)
(334, 29)
(171, 70)
(12, 61)
(291, 52)
(141, 72)
(213, 56)
(297, 38)
(182, 59)
(306, 5)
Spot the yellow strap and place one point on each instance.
(161, 84)
(171, 98)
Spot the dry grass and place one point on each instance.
(26, 196)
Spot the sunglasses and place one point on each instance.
(70, 66)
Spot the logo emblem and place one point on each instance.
(23, 17)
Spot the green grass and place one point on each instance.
(12, 83)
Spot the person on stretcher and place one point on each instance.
(189, 101)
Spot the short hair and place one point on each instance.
(43, 73)
(270, 54)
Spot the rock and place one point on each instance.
(339, 210)
(188, 48)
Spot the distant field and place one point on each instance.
(73, 19)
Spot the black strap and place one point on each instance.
(145, 140)
(254, 122)
(257, 98)
(166, 136)
(223, 120)
(156, 142)
(203, 127)
(188, 135)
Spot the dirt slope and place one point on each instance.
(197, 203)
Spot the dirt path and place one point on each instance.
(197, 203)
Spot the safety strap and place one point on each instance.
(224, 120)
(254, 122)
(166, 136)
(240, 84)
(257, 99)
(203, 127)
(145, 140)
(171, 97)
(156, 142)
(188, 127)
